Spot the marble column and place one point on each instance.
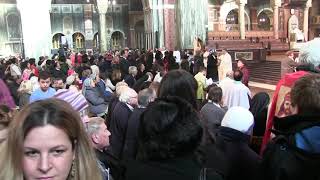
(276, 22)
(306, 19)
(37, 41)
(275, 4)
(242, 23)
(102, 10)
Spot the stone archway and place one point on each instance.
(232, 20)
(57, 40)
(78, 41)
(265, 20)
(117, 40)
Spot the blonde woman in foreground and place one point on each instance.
(47, 140)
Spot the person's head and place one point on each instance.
(58, 83)
(86, 73)
(241, 62)
(95, 69)
(129, 96)
(290, 54)
(170, 128)
(120, 87)
(310, 53)
(229, 74)
(133, 70)
(237, 75)
(6, 115)
(240, 119)
(47, 140)
(98, 133)
(215, 94)
(44, 80)
(305, 95)
(116, 75)
(224, 51)
(203, 70)
(146, 96)
(179, 83)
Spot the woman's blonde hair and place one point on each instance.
(57, 113)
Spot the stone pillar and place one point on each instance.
(306, 19)
(275, 4)
(254, 19)
(37, 41)
(242, 23)
(276, 22)
(102, 10)
(133, 38)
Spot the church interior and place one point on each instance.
(255, 29)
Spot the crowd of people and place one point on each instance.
(142, 115)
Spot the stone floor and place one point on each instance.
(260, 87)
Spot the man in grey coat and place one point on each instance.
(212, 113)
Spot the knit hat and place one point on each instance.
(240, 119)
(76, 100)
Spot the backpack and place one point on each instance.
(282, 160)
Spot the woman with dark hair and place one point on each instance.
(168, 137)
(259, 108)
(179, 83)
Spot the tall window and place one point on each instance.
(13, 26)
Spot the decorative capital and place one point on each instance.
(308, 3)
(242, 2)
(102, 6)
(275, 3)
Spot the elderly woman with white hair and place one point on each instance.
(230, 154)
(97, 104)
(130, 78)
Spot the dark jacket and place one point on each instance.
(118, 128)
(232, 156)
(130, 80)
(183, 168)
(307, 139)
(124, 67)
(211, 117)
(212, 67)
(131, 141)
(97, 103)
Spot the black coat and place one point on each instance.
(124, 67)
(212, 68)
(131, 142)
(118, 128)
(183, 168)
(232, 156)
